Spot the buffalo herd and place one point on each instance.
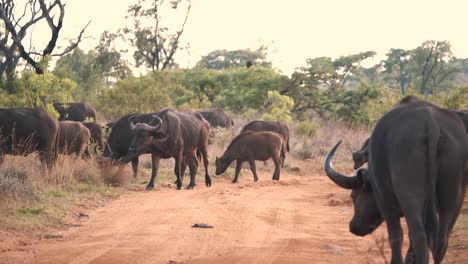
(416, 155)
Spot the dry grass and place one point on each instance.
(32, 196)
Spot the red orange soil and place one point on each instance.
(300, 219)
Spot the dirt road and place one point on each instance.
(300, 219)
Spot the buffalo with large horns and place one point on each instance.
(418, 169)
(165, 134)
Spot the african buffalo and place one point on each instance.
(217, 118)
(24, 130)
(96, 135)
(75, 111)
(172, 134)
(73, 139)
(418, 169)
(251, 146)
(361, 156)
(273, 126)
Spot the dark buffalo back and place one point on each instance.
(217, 118)
(75, 111)
(273, 126)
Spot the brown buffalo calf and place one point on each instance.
(252, 146)
(73, 138)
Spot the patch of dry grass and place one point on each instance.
(32, 196)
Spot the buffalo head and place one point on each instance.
(366, 213)
(221, 165)
(144, 134)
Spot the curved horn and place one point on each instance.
(338, 178)
(130, 122)
(159, 119)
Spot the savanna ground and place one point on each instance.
(303, 218)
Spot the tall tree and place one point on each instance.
(223, 59)
(17, 24)
(109, 61)
(397, 67)
(433, 61)
(157, 40)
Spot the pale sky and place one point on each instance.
(299, 29)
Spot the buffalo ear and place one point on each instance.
(159, 135)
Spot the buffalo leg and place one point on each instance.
(178, 170)
(204, 154)
(450, 208)
(193, 166)
(417, 233)
(238, 168)
(253, 169)
(184, 168)
(395, 236)
(276, 174)
(135, 167)
(154, 170)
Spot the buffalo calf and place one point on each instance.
(251, 146)
(73, 138)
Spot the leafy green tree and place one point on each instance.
(34, 90)
(81, 68)
(156, 41)
(320, 85)
(144, 94)
(398, 69)
(224, 59)
(278, 107)
(240, 89)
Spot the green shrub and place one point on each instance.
(307, 129)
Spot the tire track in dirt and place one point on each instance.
(300, 219)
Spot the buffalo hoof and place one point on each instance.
(208, 182)
(234, 181)
(149, 188)
(410, 258)
(275, 179)
(180, 188)
(190, 187)
(256, 180)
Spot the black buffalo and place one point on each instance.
(121, 137)
(418, 168)
(217, 118)
(75, 111)
(273, 126)
(24, 130)
(172, 134)
(181, 129)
